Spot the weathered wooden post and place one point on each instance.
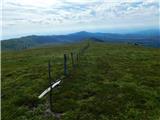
(77, 58)
(50, 84)
(72, 59)
(65, 64)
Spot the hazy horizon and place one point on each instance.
(50, 17)
(92, 31)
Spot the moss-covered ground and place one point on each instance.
(111, 82)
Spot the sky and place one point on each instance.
(48, 17)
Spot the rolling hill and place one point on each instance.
(111, 82)
(141, 38)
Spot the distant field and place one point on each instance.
(112, 82)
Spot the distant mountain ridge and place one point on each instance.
(149, 38)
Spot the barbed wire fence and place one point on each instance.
(70, 64)
(75, 58)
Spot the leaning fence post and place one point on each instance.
(50, 83)
(65, 64)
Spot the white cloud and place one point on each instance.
(39, 16)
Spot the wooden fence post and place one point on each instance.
(72, 59)
(50, 83)
(77, 58)
(65, 64)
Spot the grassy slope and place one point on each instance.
(112, 82)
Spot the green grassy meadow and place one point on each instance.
(111, 82)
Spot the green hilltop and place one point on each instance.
(111, 82)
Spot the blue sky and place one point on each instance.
(41, 17)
